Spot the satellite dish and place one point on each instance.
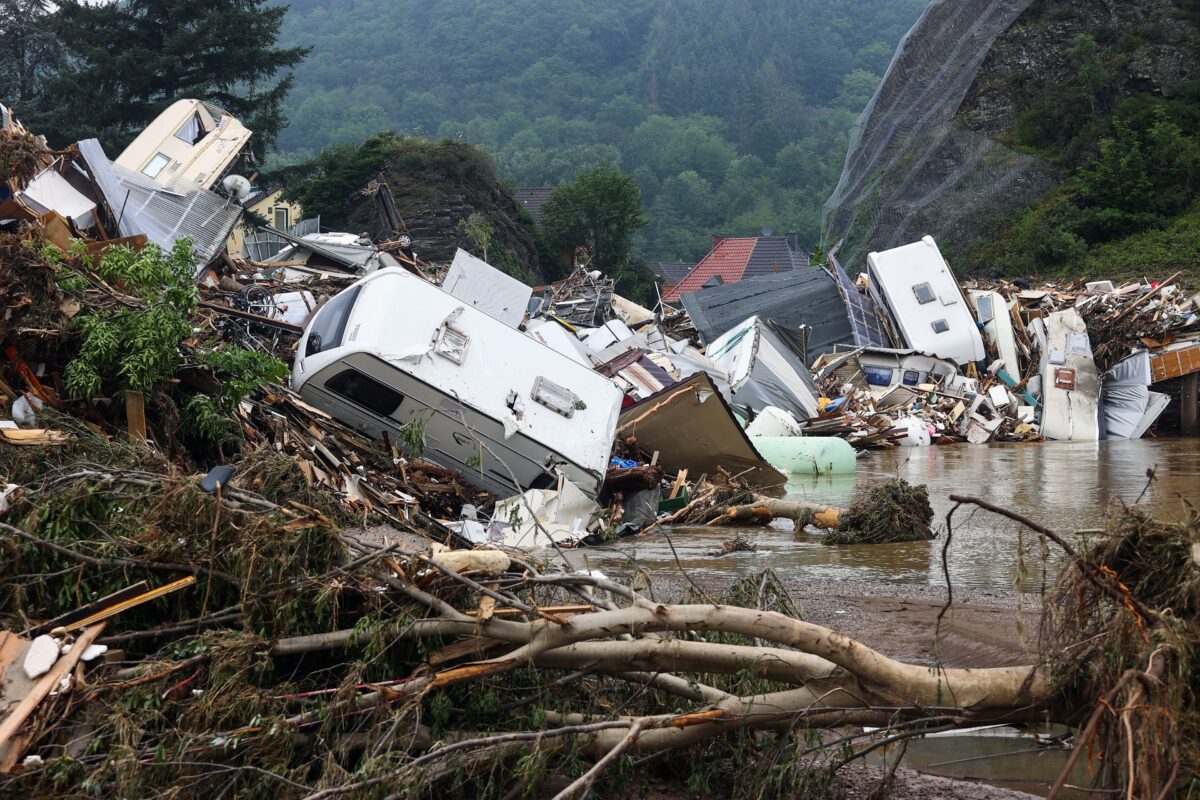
(236, 187)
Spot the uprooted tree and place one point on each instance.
(308, 662)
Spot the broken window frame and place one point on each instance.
(551, 395)
(445, 346)
(193, 130)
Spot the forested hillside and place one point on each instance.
(731, 115)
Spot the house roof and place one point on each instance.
(735, 258)
(532, 198)
(807, 296)
(670, 272)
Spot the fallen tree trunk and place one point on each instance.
(765, 509)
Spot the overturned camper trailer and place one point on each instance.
(993, 313)
(764, 369)
(506, 410)
(190, 139)
(916, 286)
(1070, 382)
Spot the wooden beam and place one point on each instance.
(135, 415)
(17, 716)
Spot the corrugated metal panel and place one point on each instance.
(800, 297)
(165, 211)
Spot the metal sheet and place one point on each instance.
(692, 428)
(477, 282)
(166, 211)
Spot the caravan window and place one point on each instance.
(924, 293)
(192, 130)
(939, 326)
(878, 376)
(156, 165)
(329, 325)
(983, 304)
(366, 392)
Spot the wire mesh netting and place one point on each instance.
(912, 168)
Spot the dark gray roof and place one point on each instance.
(803, 296)
(774, 254)
(532, 198)
(671, 272)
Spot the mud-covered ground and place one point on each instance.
(981, 628)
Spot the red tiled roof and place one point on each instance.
(727, 258)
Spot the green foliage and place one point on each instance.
(658, 88)
(136, 348)
(323, 185)
(1130, 203)
(203, 417)
(126, 62)
(241, 372)
(600, 210)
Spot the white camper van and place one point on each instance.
(190, 139)
(916, 286)
(495, 404)
(995, 317)
(1070, 381)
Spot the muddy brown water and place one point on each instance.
(1064, 485)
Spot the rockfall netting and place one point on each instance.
(912, 168)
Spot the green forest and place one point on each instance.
(731, 117)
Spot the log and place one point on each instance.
(765, 509)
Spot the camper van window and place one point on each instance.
(911, 377)
(330, 323)
(939, 326)
(924, 293)
(156, 165)
(983, 304)
(878, 376)
(558, 399)
(192, 130)
(366, 392)
(452, 344)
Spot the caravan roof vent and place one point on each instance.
(924, 293)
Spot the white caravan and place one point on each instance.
(1070, 380)
(916, 286)
(190, 139)
(507, 411)
(763, 370)
(992, 312)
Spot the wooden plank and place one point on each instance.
(135, 415)
(63, 620)
(28, 437)
(1175, 363)
(17, 716)
(680, 480)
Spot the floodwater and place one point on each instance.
(1063, 485)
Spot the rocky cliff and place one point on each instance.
(974, 121)
(436, 188)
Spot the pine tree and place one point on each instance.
(29, 51)
(128, 61)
